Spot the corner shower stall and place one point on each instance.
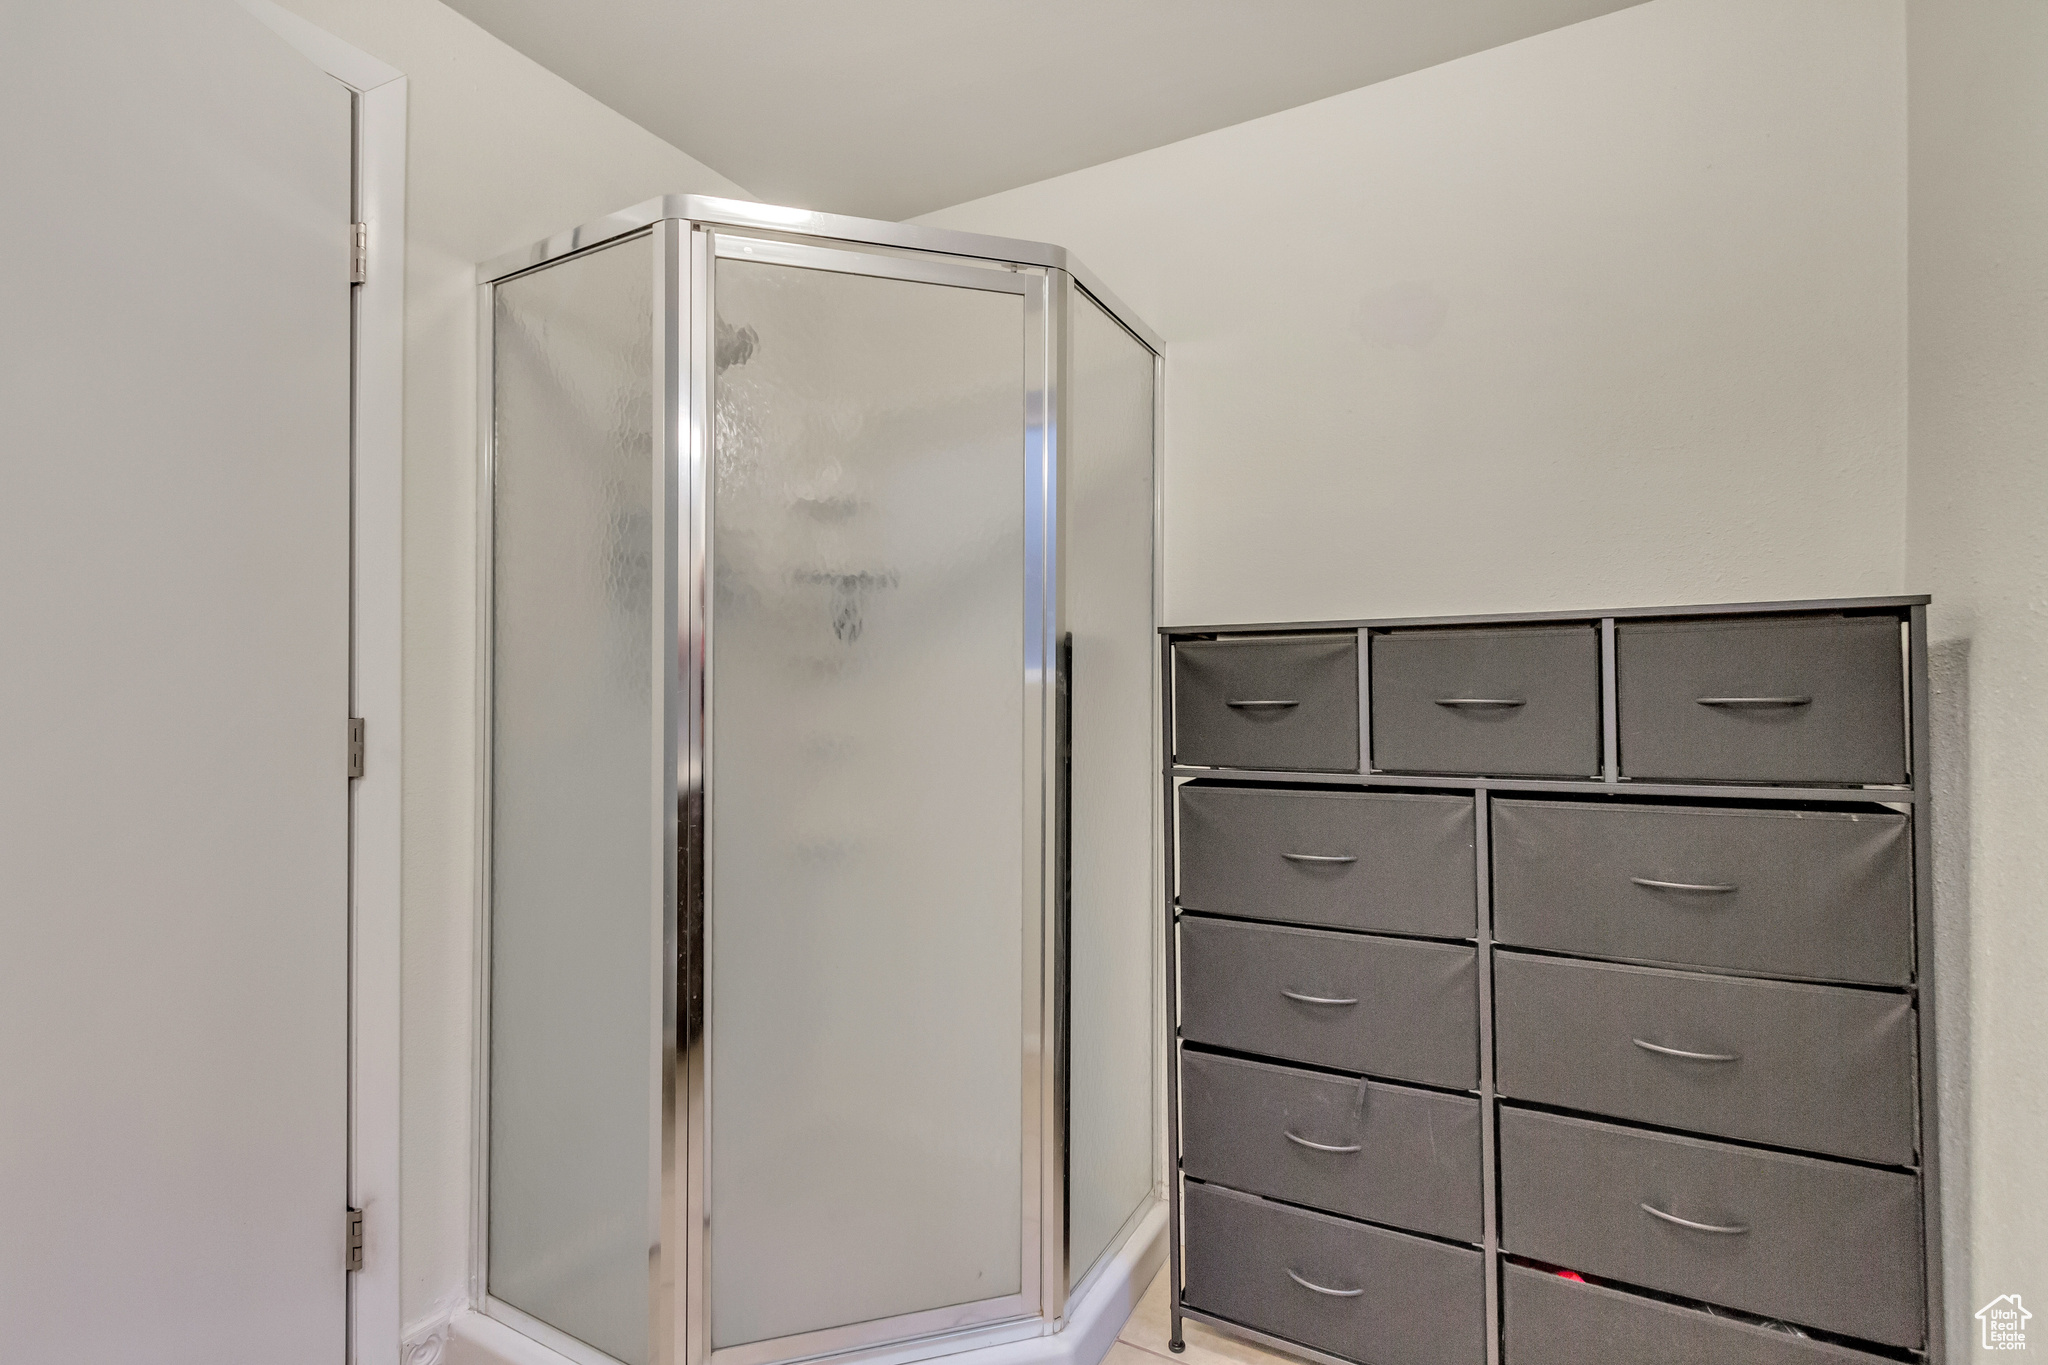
(818, 976)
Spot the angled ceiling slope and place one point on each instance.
(893, 108)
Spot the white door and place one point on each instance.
(174, 636)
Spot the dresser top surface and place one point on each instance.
(1833, 604)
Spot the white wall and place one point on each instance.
(501, 153)
(1611, 315)
(1978, 540)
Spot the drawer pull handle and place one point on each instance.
(1255, 704)
(1497, 703)
(1319, 999)
(1755, 701)
(1688, 1056)
(1323, 1288)
(1320, 857)
(1730, 1229)
(1300, 1141)
(1656, 885)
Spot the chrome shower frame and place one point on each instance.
(689, 233)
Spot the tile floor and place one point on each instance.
(1143, 1340)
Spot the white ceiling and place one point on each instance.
(893, 108)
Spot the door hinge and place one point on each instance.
(355, 746)
(358, 252)
(355, 1239)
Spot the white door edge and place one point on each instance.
(377, 595)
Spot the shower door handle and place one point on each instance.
(1063, 890)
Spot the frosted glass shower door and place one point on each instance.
(871, 878)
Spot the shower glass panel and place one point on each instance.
(573, 1133)
(866, 910)
(1108, 507)
(819, 789)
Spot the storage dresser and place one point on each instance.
(1553, 990)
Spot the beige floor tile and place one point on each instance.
(1147, 1329)
(1123, 1353)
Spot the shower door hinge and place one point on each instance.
(358, 252)
(355, 746)
(354, 1239)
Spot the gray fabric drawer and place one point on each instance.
(1554, 1321)
(1401, 1300)
(1416, 1158)
(1813, 894)
(1277, 701)
(1513, 700)
(1823, 1068)
(1816, 699)
(1828, 1245)
(1413, 1016)
(1264, 853)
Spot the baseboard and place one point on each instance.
(1093, 1321)
(425, 1341)
(1106, 1304)
(474, 1339)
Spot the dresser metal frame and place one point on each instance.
(1914, 797)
